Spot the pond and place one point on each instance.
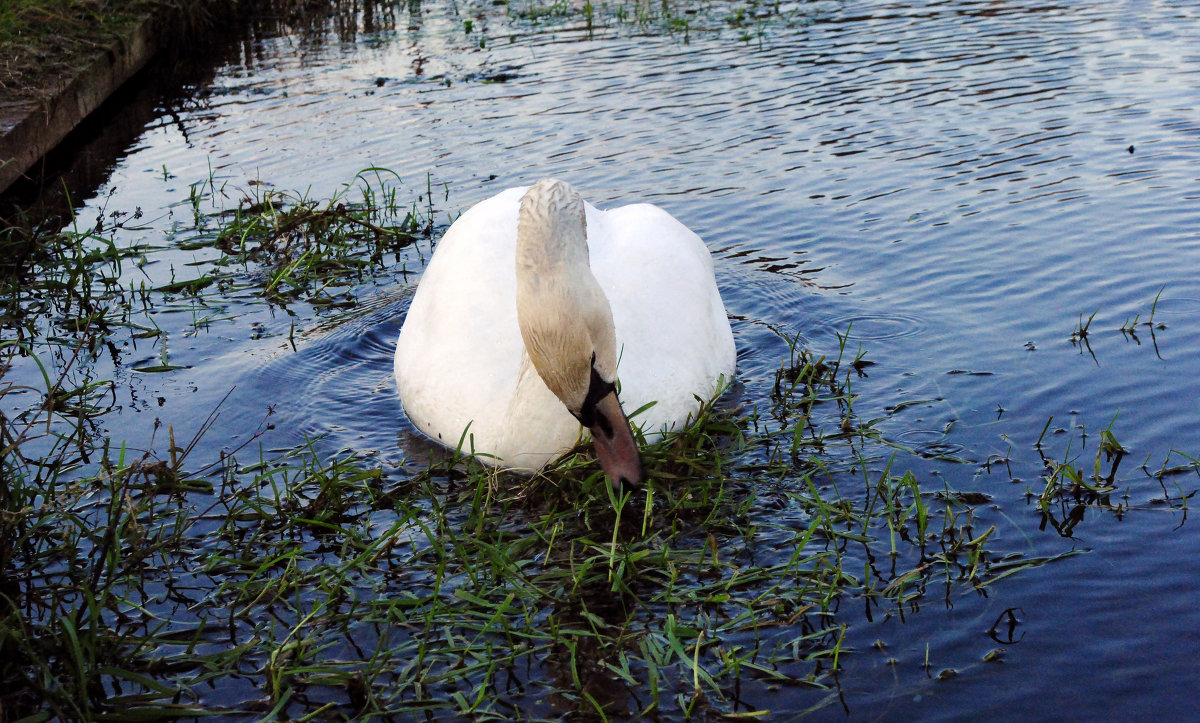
(996, 203)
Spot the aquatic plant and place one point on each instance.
(334, 587)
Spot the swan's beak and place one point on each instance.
(615, 446)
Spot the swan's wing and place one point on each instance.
(671, 324)
(459, 357)
(460, 343)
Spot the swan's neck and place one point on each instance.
(552, 232)
(565, 319)
(567, 324)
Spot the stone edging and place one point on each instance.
(31, 129)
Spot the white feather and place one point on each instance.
(460, 359)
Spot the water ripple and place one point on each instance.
(877, 327)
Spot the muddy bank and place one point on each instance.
(60, 80)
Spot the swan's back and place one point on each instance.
(673, 334)
(460, 352)
(460, 359)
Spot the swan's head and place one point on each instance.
(567, 325)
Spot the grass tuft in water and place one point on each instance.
(750, 21)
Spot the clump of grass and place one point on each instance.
(1129, 328)
(1079, 337)
(284, 247)
(1072, 489)
(309, 248)
(750, 19)
(1080, 334)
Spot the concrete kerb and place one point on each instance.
(31, 129)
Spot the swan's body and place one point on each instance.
(501, 313)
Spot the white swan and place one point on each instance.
(513, 336)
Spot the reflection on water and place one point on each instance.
(954, 182)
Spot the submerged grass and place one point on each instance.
(332, 588)
(301, 583)
(84, 284)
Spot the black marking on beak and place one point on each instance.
(615, 445)
(598, 389)
(604, 424)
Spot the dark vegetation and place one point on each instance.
(44, 43)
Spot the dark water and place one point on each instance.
(958, 182)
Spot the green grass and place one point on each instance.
(336, 589)
(306, 582)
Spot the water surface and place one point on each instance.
(959, 183)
